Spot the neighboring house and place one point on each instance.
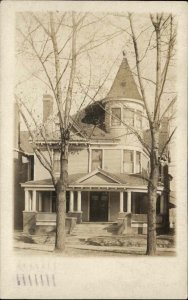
(108, 166)
(172, 170)
(23, 169)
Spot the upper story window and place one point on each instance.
(56, 161)
(96, 159)
(128, 161)
(138, 119)
(138, 162)
(128, 116)
(116, 116)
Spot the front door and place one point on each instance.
(99, 206)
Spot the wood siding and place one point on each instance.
(112, 160)
(39, 171)
(78, 162)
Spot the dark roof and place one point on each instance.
(124, 84)
(91, 120)
(24, 142)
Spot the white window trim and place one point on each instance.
(116, 106)
(90, 157)
(134, 159)
(134, 118)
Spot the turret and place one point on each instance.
(123, 101)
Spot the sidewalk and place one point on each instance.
(46, 244)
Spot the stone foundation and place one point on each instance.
(30, 224)
(77, 215)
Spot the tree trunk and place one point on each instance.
(60, 217)
(152, 197)
(61, 201)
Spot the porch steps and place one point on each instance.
(84, 231)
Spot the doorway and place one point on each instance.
(99, 206)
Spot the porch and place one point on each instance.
(91, 206)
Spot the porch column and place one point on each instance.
(79, 199)
(40, 201)
(27, 206)
(121, 202)
(71, 207)
(129, 202)
(34, 201)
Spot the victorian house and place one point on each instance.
(108, 164)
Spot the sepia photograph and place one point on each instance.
(95, 122)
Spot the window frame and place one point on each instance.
(139, 162)
(132, 161)
(111, 116)
(91, 164)
(130, 110)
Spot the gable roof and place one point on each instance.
(106, 177)
(124, 85)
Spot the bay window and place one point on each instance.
(128, 161)
(138, 162)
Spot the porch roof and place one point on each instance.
(80, 179)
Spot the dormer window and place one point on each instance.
(116, 116)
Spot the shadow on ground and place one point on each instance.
(25, 239)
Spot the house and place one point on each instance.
(23, 168)
(108, 165)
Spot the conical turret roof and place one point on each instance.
(124, 85)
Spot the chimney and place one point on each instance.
(47, 107)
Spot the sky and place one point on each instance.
(105, 37)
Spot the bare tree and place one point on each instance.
(56, 58)
(161, 42)
(42, 43)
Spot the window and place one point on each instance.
(128, 117)
(138, 162)
(96, 159)
(56, 161)
(128, 161)
(116, 116)
(138, 117)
